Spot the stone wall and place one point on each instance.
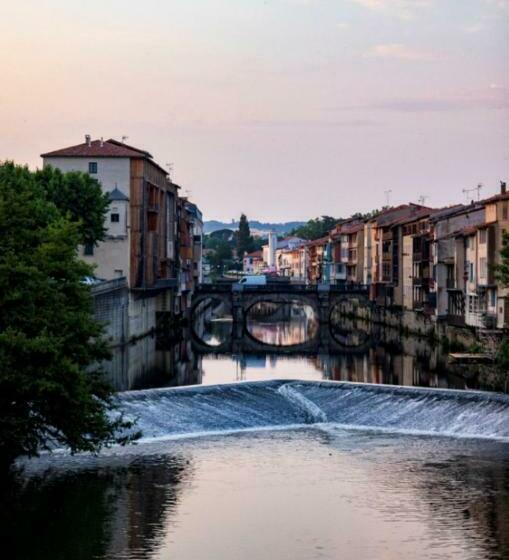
(130, 326)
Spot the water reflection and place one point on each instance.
(103, 512)
(300, 495)
(282, 325)
(212, 322)
(369, 354)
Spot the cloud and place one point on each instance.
(398, 51)
(403, 9)
(310, 123)
(342, 25)
(492, 97)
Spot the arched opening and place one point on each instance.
(284, 324)
(211, 321)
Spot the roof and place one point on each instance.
(352, 228)
(496, 198)
(115, 194)
(391, 216)
(104, 149)
(98, 148)
(317, 242)
(255, 255)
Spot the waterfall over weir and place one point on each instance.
(215, 409)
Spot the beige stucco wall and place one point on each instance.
(111, 257)
(111, 172)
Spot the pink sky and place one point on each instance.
(282, 109)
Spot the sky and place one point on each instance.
(281, 109)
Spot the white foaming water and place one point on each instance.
(216, 409)
(313, 412)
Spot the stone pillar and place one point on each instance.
(237, 315)
(323, 293)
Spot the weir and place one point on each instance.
(220, 409)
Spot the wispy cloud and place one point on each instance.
(399, 51)
(310, 123)
(403, 9)
(493, 97)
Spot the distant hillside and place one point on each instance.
(261, 227)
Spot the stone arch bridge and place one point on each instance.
(241, 298)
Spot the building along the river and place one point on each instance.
(153, 239)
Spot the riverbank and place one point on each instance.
(417, 334)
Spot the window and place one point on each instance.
(115, 217)
(493, 298)
(92, 167)
(483, 265)
(482, 236)
(88, 249)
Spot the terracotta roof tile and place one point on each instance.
(109, 148)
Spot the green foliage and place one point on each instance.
(502, 269)
(221, 255)
(80, 196)
(503, 356)
(51, 391)
(316, 228)
(244, 239)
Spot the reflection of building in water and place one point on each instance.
(470, 493)
(284, 333)
(151, 366)
(148, 497)
(383, 365)
(108, 512)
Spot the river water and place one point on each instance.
(294, 462)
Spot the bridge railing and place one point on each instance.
(285, 288)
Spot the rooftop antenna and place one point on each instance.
(388, 196)
(169, 166)
(124, 138)
(422, 199)
(467, 192)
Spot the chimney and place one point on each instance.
(503, 187)
(88, 139)
(102, 142)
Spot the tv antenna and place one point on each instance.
(422, 199)
(388, 196)
(467, 192)
(124, 138)
(169, 166)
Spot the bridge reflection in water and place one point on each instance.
(282, 340)
(256, 314)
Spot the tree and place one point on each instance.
(222, 253)
(244, 240)
(80, 196)
(502, 275)
(316, 228)
(502, 269)
(51, 392)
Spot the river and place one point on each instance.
(296, 462)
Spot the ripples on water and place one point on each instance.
(328, 493)
(281, 469)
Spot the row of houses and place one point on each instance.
(153, 233)
(440, 262)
